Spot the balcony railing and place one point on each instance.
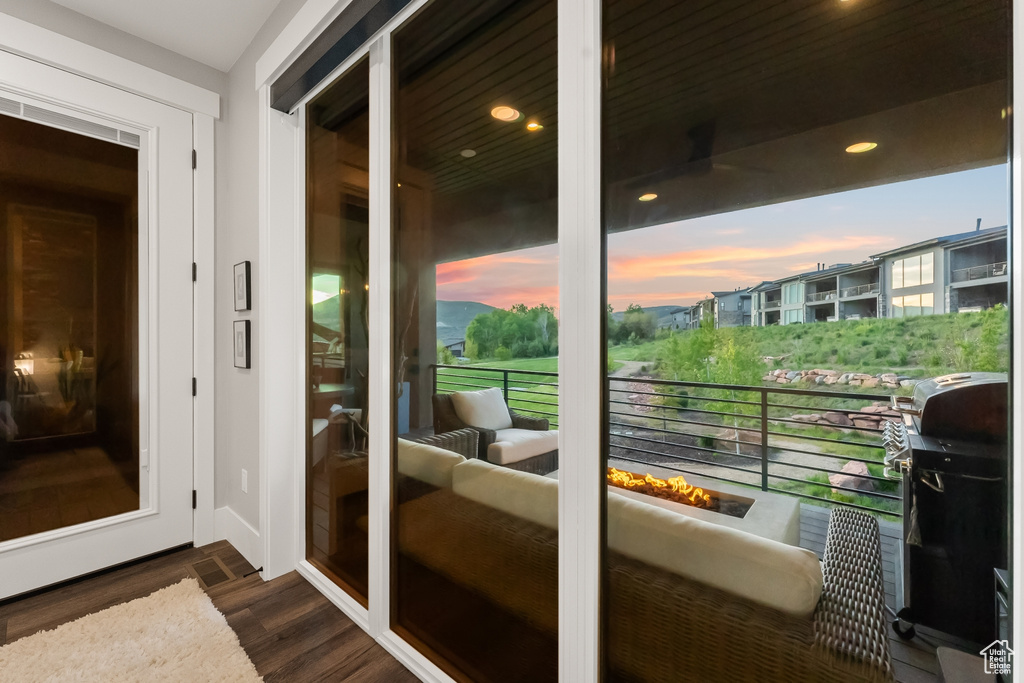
(772, 304)
(979, 272)
(858, 290)
(821, 296)
(763, 437)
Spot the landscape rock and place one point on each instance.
(819, 379)
(865, 424)
(839, 419)
(768, 378)
(792, 375)
(844, 379)
(872, 409)
(831, 379)
(853, 482)
(870, 382)
(805, 418)
(891, 385)
(889, 377)
(862, 376)
(908, 383)
(855, 382)
(782, 380)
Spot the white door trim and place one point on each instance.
(204, 404)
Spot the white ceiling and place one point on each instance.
(214, 32)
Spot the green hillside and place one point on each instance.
(917, 347)
(453, 317)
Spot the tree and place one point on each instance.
(522, 332)
(445, 355)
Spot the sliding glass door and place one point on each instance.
(337, 330)
(682, 447)
(475, 339)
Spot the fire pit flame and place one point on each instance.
(683, 490)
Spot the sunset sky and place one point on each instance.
(681, 262)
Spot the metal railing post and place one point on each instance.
(436, 370)
(764, 439)
(504, 381)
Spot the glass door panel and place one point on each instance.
(475, 493)
(773, 176)
(337, 156)
(69, 429)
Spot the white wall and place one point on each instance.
(237, 431)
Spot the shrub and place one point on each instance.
(502, 353)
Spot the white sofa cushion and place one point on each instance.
(427, 463)
(513, 445)
(485, 409)
(761, 570)
(521, 494)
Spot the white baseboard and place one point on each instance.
(236, 531)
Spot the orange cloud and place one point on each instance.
(682, 262)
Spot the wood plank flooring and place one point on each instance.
(289, 630)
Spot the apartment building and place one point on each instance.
(963, 272)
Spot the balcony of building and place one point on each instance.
(824, 291)
(859, 284)
(978, 264)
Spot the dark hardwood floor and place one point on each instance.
(289, 630)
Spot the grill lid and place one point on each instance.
(963, 406)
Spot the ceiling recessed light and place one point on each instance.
(533, 125)
(650, 196)
(859, 147)
(503, 113)
(468, 153)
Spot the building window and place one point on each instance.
(914, 305)
(791, 293)
(913, 271)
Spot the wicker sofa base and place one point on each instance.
(662, 627)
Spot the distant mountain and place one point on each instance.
(453, 317)
(662, 314)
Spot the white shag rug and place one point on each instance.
(175, 634)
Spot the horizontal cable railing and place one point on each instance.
(858, 290)
(979, 272)
(772, 304)
(821, 296)
(821, 446)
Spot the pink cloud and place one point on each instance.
(681, 263)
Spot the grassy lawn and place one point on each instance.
(528, 394)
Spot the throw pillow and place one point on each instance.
(485, 409)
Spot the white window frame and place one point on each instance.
(581, 490)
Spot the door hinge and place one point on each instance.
(193, 160)
(195, 271)
(193, 386)
(193, 499)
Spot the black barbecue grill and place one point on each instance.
(951, 452)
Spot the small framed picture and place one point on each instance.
(242, 345)
(243, 293)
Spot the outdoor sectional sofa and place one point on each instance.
(687, 600)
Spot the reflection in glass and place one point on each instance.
(337, 233)
(786, 144)
(68, 329)
(475, 557)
